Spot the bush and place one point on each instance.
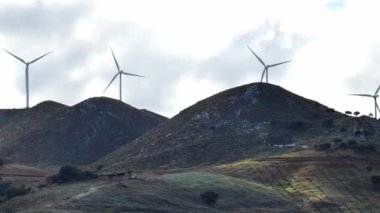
(337, 140)
(343, 145)
(99, 167)
(70, 174)
(330, 110)
(343, 130)
(296, 124)
(328, 123)
(352, 142)
(209, 197)
(358, 133)
(365, 148)
(7, 191)
(376, 181)
(324, 146)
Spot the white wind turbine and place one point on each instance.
(119, 73)
(27, 72)
(374, 96)
(266, 67)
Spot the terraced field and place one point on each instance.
(316, 184)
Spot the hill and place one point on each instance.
(242, 122)
(55, 134)
(311, 181)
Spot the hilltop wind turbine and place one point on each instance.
(374, 96)
(266, 67)
(119, 73)
(27, 72)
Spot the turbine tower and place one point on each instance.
(119, 73)
(374, 96)
(266, 67)
(27, 72)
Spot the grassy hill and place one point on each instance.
(243, 122)
(304, 181)
(54, 134)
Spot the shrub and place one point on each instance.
(366, 133)
(376, 181)
(337, 140)
(324, 146)
(209, 197)
(7, 191)
(296, 124)
(330, 110)
(99, 167)
(365, 148)
(369, 168)
(273, 122)
(343, 130)
(70, 174)
(352, 142)
(358, 133)
(343, 145)
(328, 123)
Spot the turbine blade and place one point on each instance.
(258, 58)
(377, 91)
(364, 95)
(111, 81)
(377, 106)
(40, 57)
(273, 65)
(262, 75)
(114, 58)
(20, 59)
(125, 73)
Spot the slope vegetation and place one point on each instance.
(242, 122)
(54, 134)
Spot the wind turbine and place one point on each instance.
(266, 67)
(119, 73)
(374, 96)
(27, 72)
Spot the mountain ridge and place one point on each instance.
(238, 123)
(53, 134)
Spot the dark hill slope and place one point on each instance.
(49, 134)
(234, 124)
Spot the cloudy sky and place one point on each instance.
(189, 50)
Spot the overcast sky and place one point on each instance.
(189, 50)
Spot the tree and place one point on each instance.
(209, 197)
(348, 112)
(376, 181)
(356, 113)
(70, 174)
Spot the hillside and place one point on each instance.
(54, 134)
(242, 122)
(304, 181)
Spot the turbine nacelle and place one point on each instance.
(374, 96)
(27, 71)
(266, 67)
(119, 73)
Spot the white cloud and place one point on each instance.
(182, 45)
